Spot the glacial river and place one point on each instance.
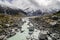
(24, 35)
(21, 36)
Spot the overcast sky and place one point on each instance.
(44, 5)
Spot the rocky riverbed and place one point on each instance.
(39, 28)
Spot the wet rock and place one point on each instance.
(22, 31)
(55, 36)
(30, 33)
(11, 34)
(31, 28)
(43, 37)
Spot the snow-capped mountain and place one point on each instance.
(32, 6)
(11, 11)
(21, 4)
(24, 5)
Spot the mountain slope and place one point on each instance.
(10, 11)
(31, 7)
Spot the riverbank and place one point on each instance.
(12, 27)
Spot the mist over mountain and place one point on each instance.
(33, 7)
(7, 10)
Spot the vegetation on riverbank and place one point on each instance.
(6, 21)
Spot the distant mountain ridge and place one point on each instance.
(10, 11)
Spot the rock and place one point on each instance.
(7, 25)
(22, 31)
(11, 34)
(2, 36)
(55, 36)
(31, 28)
(55, 17)
(43, 37)
(30, 33)
(53, 23)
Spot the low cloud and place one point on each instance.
(47, 5)
(43, 5)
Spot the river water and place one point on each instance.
(21, 36)
(25, 35)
